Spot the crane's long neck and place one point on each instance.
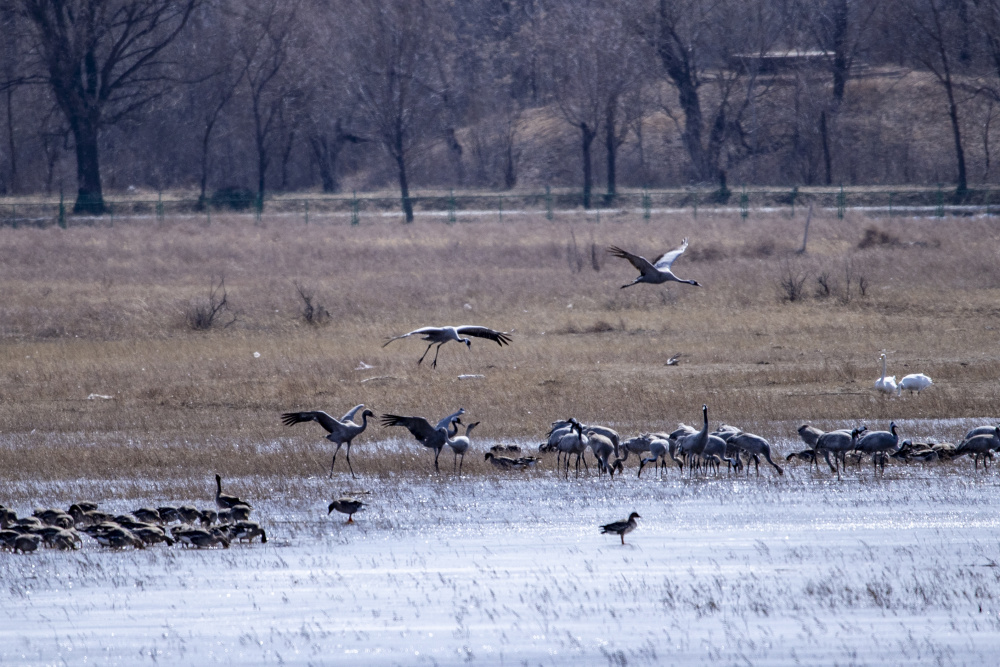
(704, 426)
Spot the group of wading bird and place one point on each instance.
(698, 449)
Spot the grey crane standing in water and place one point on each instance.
(878, 443)
(341, 431)
(442, 335)
(755, 447)
(656, 272)
(432, 437)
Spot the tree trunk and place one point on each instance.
(89, 198)
(205, 138)
(509, 169)
(587, 135)
(963, 185)
(841, 64)
(11, 146)
(404, 188)
(325, 161)
(612, 153)
(262, 161)
(827, 162)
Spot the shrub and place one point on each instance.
(203, 314)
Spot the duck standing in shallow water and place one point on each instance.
(621, 528)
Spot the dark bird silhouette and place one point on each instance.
(621, 528)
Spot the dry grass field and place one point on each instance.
(98, 311)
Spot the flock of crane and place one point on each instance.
(697, 449)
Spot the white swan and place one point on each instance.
(885, 384)
(915, 382)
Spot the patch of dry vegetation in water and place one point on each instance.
(95, 312)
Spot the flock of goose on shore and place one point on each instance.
(145, 526)
(699, 450)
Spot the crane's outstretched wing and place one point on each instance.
(416, 332)
(418, 426)
(641, 263)
(326, 421)
(350, 415)
(500, 337)
(667, 259)
(446, 422)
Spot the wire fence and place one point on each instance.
(356, 209)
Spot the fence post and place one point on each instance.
(744, 203)
(891, 195)
(159, 206)
(258, 207)
(647, 205)
(841, 203)
(548, 203)
(793, 196)
(307, 211)
(13, 215)
(939, 212)
(355, 214)
(62, 210)
(500, 207)
(452, 216)
(695, 204)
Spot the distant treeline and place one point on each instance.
(287, 95)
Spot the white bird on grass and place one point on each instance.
(887, 385)
(442, 335)
(915, 382)
(656, 272)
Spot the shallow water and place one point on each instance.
(505, 570)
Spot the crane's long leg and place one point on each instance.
(425, 354)
(435, 363)
(437, 453)
(349, 460)
(461, 464)
(334, 459)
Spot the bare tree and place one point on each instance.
(391, 71)
(938, 27)
(841, 29)
(220, 74)
(591, 67)
(331, 118)
(268, 30)
(693, 41)
(104, 60)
